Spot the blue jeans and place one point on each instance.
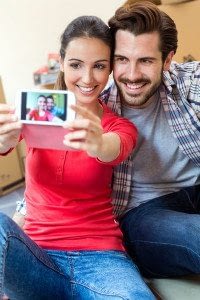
(163, 235)
(29, 272)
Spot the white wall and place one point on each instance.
(30, 29)
(186, 16)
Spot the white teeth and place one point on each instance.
(133, 86)
(86, 89)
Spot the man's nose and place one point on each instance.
(133, 71)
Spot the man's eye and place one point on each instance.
(147, 61)
(120, 59)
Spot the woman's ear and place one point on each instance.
(168, 60)
(61, 61)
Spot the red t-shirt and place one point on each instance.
(34, 115)
(68, 194)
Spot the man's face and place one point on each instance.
(50, 104)
(138, 66)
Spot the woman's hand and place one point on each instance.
(10, 128)
(86, 133)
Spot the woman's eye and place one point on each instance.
(75, 65)
(100, 66)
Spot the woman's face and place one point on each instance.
(86, 68)
(42, 103)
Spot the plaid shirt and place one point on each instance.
(180, 96)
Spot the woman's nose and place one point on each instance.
(87, 76)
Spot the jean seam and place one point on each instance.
(71, 275)
(3, 268)
(89, 286)
(92, 288)
(11, 235)
(161, 244)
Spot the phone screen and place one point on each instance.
(45, 107)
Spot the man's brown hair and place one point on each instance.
(145, 17)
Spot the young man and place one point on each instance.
(52, 108)
(157, 191)
(160, 185)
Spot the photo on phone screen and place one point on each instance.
(45, 107)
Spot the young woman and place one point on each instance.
(71, 246)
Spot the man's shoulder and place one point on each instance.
(109, 91)
(184, 69)
(182, 74)
(111, 98)
(57, 110)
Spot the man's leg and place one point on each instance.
(163, 235)
(26, 271)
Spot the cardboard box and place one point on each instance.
(186, 16)
(45, 78)
(11, 175)
(2, 95)
(48, 74)
(21, 150)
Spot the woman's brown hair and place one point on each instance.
(83, 26)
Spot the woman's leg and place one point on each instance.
(26, 271)
(104, 275)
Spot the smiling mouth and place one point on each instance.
(86, 90)
(135, 86)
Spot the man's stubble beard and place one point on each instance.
(138, 101)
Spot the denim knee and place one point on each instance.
(6, 224)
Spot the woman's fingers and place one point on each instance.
(85, 131)
(77, 135)
(84, 112)
(78, 124)
(10, 127)
(6, 108)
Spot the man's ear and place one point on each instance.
(61, 64)
(168, 60)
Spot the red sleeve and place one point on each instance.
(126, 130)
(31, 114)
